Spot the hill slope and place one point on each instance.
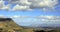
(8, 25)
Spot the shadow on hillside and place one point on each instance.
(47, 31)
(39, 31)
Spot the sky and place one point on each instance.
(32, 12)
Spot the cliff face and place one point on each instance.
(8, 25)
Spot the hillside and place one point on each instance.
(8, 25)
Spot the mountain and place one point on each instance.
(7, 24)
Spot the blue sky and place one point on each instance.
(33, 13)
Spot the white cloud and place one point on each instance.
(3, 6)
(7, 7)
(48, 20)
(18, 16)
(49, 17)
(29, 4)
(39, 17)
(15, 16)
(19, 7)
(32, 4)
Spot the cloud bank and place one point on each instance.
(42, 18)
(30, 4)
(38, 21)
